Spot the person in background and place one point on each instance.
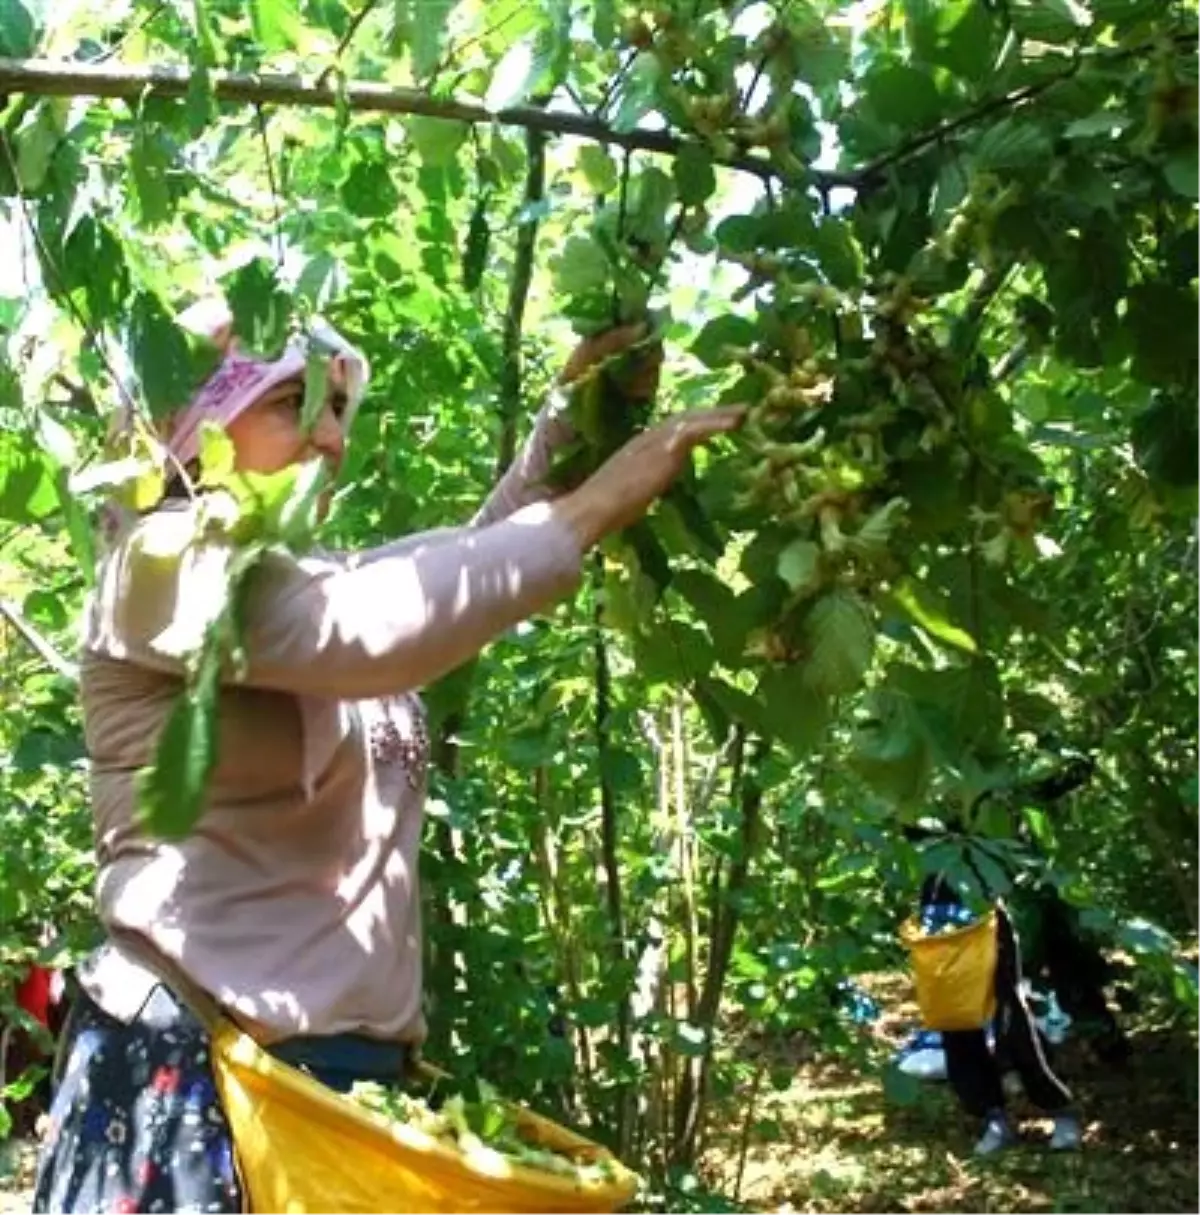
(975, 1069)
(41, 995)
(1056, 951)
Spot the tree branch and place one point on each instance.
(347, 38)
(36, 642)
(57, 78)
(1010, 362)
(1006, 101)
(518, 293)
(53, 78)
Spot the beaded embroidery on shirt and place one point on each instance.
(389, 746)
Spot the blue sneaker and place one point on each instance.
(996, 1137)
(1068, 1134)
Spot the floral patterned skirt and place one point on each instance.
(136, 1123)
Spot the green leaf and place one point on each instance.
(171, 792)
(597, 167)
(513, 77)
(793, 711)
(479, 233)
(800, 566)
(299, 513)
(1165, 440)
(838, 253)
(580, 267)
(1089, 185)
(823, 57)
(839, 642)
(18, 40)
(695, 179)
(875, 533)
(651, 556)
(604, 22)
(724, 614)
(721, 337)
(904, 96)
(315, 278)
(262, 310)
(168, 365)
(892, 752)
(962, 708)
(1053, 21)
(201, 102)
(280, 507)
(80, 531)
(276, 23)
(40, 748)
(651, 194)
(1122, 12)
(966, 46)
(673, 652)
(1143, 936)
(696, 531)
(1107, 122)
(928, 608)
(437, 140)
(1163, 353)
(217, 454)
(95, 262)
(369, 191)
(35, 141)
(428, 31)
(26, 481)
(1181, 172)
(205, 40)
(638, 95)
(316, 380)
(1011, 144)
(148, 163)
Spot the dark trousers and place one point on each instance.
(975, 1072)
(1077, 971)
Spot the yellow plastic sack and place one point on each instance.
(300, 1146)
(955, 973)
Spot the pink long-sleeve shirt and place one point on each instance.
(295, 899)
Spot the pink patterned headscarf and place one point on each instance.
(241, 379)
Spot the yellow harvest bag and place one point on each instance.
(954, 973)
(302, 1147)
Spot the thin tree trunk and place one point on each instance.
(683, 847)
(693, 1090)
(518, 293)
(609, 834)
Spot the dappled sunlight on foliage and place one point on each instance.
(946, 255)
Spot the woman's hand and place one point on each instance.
(624, 487)
(637, 377)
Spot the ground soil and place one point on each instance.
(832, 1141)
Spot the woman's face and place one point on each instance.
(268, 436)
